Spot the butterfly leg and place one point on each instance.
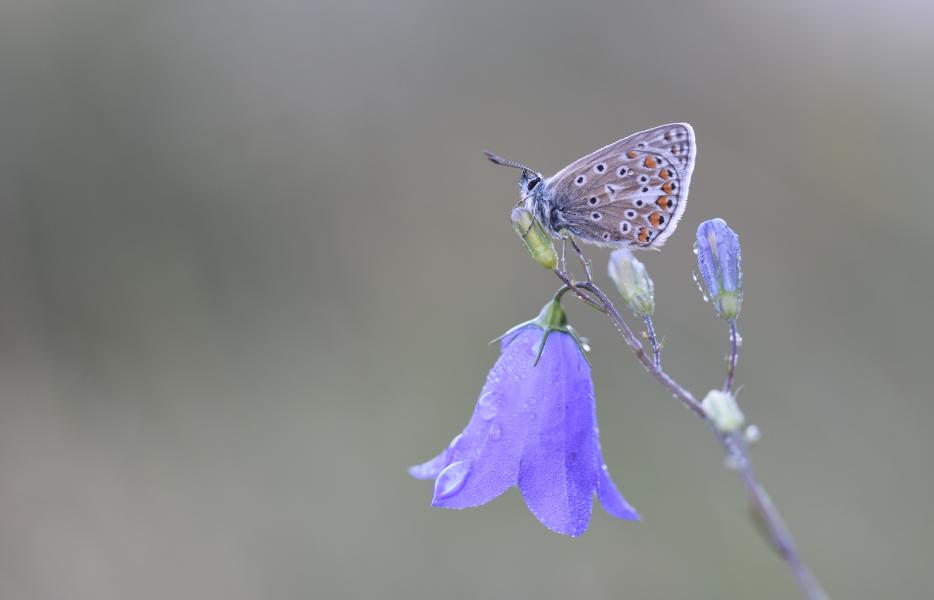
(564, 245)
(584, 261)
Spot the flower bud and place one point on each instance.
(536, 240)
(723, 412)
(720, 264)
(632, 281)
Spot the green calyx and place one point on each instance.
(551, 318)
(729, 303)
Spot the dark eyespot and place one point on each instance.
(622, 171)
(532, 183)
(639, 202)
(645, 189)
(593, 200)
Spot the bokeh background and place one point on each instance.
(251, 257)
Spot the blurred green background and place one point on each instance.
(251, 257)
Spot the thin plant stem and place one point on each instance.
(734, 448)
(734, 357)
(656, 348)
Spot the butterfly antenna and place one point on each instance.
(499, 160)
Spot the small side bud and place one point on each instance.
(722, 410)
(720, 263)
(536, 240)
(752, 434)
(632, 281)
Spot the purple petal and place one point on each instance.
(707, 262)
(496, 435)
(611, 500)
(431, 469)
(559, 468)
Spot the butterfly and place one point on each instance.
(631, 193)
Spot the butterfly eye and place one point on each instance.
(531, 184)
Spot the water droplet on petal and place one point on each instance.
(695, 249)
(496, 432)
(452, 479)
(706, 299)
(486, 406)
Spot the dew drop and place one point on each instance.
(452, 479)
(706, 299)
(486, 406)
(695, 249)
(496, 432)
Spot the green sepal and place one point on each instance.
(551, 318)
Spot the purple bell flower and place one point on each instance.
(535, 426)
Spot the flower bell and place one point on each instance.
(533, 235)
(632, 281)
(720, 263)
(534, 426)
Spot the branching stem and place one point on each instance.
(737, 454)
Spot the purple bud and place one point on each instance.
(720, 263)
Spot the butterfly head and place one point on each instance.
(530, 182)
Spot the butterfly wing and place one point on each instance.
(630, 193)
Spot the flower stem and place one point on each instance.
(656, 349)
(734, 357)
(733, 446)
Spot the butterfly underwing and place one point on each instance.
(631, 193)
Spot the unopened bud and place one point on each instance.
(723, 412)
(632, 281)
(720, 263)
(752, 434)
(536, 240)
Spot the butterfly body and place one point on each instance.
(631, 193)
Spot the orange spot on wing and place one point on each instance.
(650, 162)
(664, 174)
(632, 154)
(643, 234)
(663, 202)
(667, 188)
(655, 219)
